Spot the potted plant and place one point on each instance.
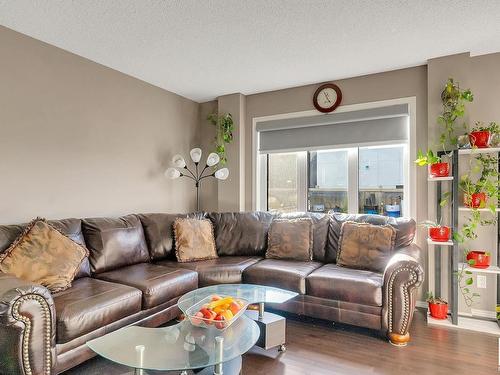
(437, 168)
(478, 259)
(438, 308)
(437, 232)
(224, 127)
(480, 136)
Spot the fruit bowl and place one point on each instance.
(216, 312)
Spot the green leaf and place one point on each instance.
(469, 281)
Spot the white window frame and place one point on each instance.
(259, 168)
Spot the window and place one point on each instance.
(381, 180)
(367, 180)
(328, 174)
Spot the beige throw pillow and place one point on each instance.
(43, 255)
(365, 246)
(290, 239)
(194, 240)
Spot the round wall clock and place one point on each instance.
(327, 97)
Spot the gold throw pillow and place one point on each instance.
(290, 239)
(43, 255)
(194, 240)
(365, 246)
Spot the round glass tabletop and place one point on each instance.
(178, 347)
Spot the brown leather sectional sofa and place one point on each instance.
(132, 277)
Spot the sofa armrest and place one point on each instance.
(402, 276)
(27, 328)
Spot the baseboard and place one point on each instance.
(483, 313)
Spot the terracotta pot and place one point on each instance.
(440, 234)
(438, 310)
(480, 139)
(476, 200)
(439, 170)
(482, 259)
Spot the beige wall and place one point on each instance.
(80, 139)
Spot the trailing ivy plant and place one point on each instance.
(454, 100)
(487, 182)
(224, 127)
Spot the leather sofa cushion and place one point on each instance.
(405, 230)
(159, 233)
(241, 233)
(285, 274)
(346, 284)
(70, 227)
(114, 242)
(223, 270)
(90, 304)
(320, 227)
(158, 284)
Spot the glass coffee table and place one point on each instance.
(272, 326)
(183, 347)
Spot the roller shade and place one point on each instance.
(347, 128)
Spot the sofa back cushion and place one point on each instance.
(405, 230)
(159, 232)
(69, 227)
(114, 242)
(241, 233)
(320, 227)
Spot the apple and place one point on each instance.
(215, 297)
(197, 319)
(219, 321)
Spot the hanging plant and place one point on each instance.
(454, 100)
(224, 127)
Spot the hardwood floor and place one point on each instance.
(318, 347)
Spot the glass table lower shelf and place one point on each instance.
(179, 347)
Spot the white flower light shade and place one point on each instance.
(222, 174)
(178, 161)
(213, 159)
(195, 154)
(172, 173)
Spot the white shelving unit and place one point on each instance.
(435, 179)
(490, 269)
(439, 243)
(436, 249)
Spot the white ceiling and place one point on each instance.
(205, 48)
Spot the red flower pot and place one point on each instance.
(440, 234)
(476, 200)
(440, 170)
(438, 310)
(480, 139)
(482, 260)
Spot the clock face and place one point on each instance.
(327, 97)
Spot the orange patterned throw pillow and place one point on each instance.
(43, 255)
(365, 246)
(290, 239)
(194, 240)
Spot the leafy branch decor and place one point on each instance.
(224, 127)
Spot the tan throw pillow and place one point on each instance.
(290, 239)
(43, 255)
(365, 246)
(194, 240)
